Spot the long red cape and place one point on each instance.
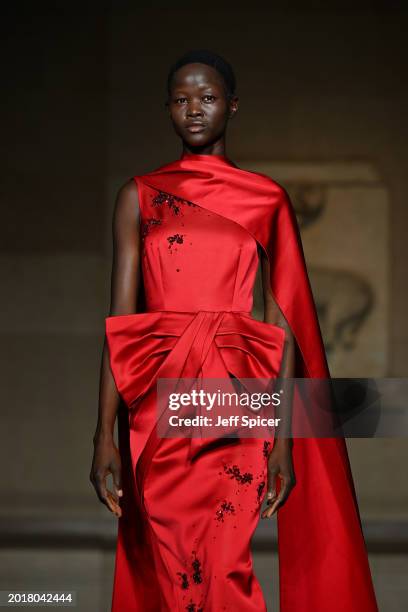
(323, 563)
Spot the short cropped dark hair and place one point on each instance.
(204, 56)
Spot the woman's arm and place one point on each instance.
(280, 462)
(125, 283)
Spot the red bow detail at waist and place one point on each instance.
(173, 344)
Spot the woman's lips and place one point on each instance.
(196, 127)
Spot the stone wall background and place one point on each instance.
(83, 110)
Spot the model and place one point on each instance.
(187, 239)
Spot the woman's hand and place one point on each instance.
(106, 460)
(280, 465)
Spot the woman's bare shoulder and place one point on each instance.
(127, 200)
(129, 189)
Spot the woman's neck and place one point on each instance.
(218, 149)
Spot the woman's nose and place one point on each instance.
(194, 108)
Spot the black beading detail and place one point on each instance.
(235, 472)
(148, 224)
(225, 508)
(176, 238)
(266, 448)
(259, 490)
(184, 580)
(197, 577)
(171, 201)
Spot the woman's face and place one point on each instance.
(199, 107)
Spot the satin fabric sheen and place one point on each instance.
(189, 511)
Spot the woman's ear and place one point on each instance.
(234, 101)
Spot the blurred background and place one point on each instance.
(323, 98)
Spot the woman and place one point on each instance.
(187, 237)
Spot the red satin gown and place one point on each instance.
(188, 517)
(189, 507)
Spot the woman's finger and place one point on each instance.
(100, 485)
(113, 505)
(286, 487)
(271, 495)
(106, 496)
(117, 480)
(271, 481)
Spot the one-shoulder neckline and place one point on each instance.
(211, 159)
(206, 157)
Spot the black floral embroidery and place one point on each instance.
(259, 490)
(173, 202)
(235, 472)
(192, 607)
(184, 580)
(148, 224)
(197, 577)
(175, 239)
(266, 448)
(226, 508)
